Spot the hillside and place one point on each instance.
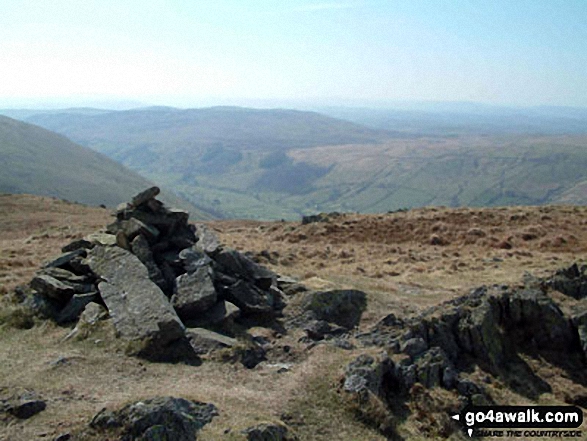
(281, 164)
(407, 263)
(37, 161)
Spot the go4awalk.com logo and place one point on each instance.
(521, 421)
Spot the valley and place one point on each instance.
(282, 164)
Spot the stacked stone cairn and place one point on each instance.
(157, 277)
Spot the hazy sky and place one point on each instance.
(193, 53)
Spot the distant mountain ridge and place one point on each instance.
(278, 163)
(37, 161)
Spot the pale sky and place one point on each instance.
(191, 53)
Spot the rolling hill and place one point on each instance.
(37, 161)
(280, 164)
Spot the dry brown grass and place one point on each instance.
(33, 229)
(396, 257)
(389, 256)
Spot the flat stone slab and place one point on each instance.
(139, 309)
(52, 287)
(104, 239)
(64, 260)
(204, 341)
(145, 196)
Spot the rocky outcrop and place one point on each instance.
(487, 329)
(160, 418)
(570, 281)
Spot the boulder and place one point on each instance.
(52, 288)
(249, 298)
(160, 418)
(234, 263)
(319, 329)
(570, 281)
(194, 294)
(222, 315)
(140, 311)
(75, 307)
(269, 432)
(88, 320)
(23, 405)
(343, 307)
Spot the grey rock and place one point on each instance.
(253, 355)
(321, 217)
(40, 305)
(66, 276)
(76, 306)
(140, 248)
(23, 405)
(93, 313)
(134, 227)
(343, 307)
(414, 346)
(431, 366)
(222, 314)
(145, 196)
(234, 263)
(269, 432)
(319, 329)
(63, 260)
(76, 245)
(160, 418)
(289, 286)
(534, 316)
(570, 281)
(183, 237)
(580, 322)
(139, 309)
(207, 242)
(52, 288)
(204, 341)
(165, 221)
(104, 239)
(192, 259)
(122, 240)
(194, 294)
(368, 375)
(249, 298)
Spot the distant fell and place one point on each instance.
(158, 128)
(37, 161)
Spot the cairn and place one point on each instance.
(156, 276)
